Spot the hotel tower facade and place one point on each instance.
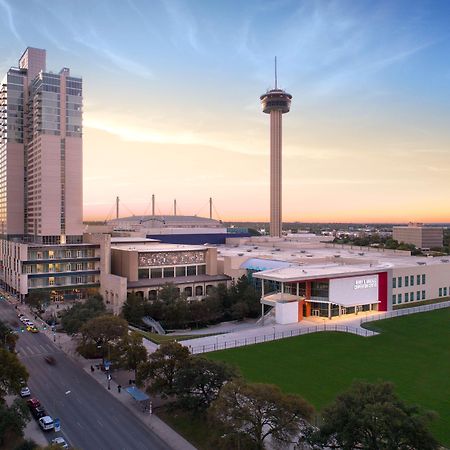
(41, 179)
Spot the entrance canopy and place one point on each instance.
(137, 394)
(348, 302)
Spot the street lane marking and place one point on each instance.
(100, 422)
(43, 348)
(30, 350)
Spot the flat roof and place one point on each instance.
(159, 247)
(131, 240)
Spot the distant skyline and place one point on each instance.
(171, 103)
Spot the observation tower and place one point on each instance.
(275, 102)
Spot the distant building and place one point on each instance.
(419, 235)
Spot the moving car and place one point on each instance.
(25, 391)
(33, 329)
(46, 423)
(38, 412)
(49, 359)
(60, 441)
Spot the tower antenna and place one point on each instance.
(276, 81)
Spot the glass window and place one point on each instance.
(423, 278)
(394, 298)
(399, 298)
(399, 282)
(169, 272)
(201, 270)
(191, 270)
(181, 271)
(406, 296)
(423, 295)
(143, 274)
(156, 273)
(411, 280)
(440, 292)
(418, 295)
(394, 282)
(418, 279)
(406, 281)
(445, 291)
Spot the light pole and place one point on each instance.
(273, 333)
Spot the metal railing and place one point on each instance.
(152, 323)
(259, 339)
(405, 312)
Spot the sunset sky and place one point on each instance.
(171, 103)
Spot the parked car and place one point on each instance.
(38, 412)
(60, 441)
(33, 402)
(33, 329)
(25, 391)
(46, 423)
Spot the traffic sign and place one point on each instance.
(57, 424)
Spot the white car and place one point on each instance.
(23, 319)
(25, 391)
(60, 441)
(46, 423)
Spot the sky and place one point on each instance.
(171, 103)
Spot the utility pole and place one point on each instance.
(153, 204)
(210, 207)
(175, 207)
(117, 207)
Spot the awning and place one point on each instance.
(354, 302)
(137, 394)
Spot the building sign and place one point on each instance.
(352, 291)
(365, 283)
(171, 258)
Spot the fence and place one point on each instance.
(405, 312)
(233, 343)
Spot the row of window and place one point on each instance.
(443, 292)
(408, 296)
(171, 272)
(408, 280)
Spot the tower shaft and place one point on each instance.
(275, 173)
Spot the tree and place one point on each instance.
(133, 310)
(259, 411)
(373, 417)
(169, 293)
(13, 420)
(74, 318)
(36, 299)
(162, 368)
(12, 374)
(199, 381)
(129, 352)
(104, 331)
(7, 337)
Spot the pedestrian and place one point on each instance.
(119, 388)
(92, 368)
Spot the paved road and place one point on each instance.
(90, 417)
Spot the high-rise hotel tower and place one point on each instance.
(41, 198)
(41, 152)
(276, 102)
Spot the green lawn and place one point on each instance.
(411, 351)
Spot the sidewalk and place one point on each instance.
(68, 346)
(166, 433)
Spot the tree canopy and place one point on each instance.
(259, 411)
(12, 374)
(74, 318)
(373, 417)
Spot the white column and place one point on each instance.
(329, 310)
(275, 173)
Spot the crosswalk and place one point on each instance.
(26, 351)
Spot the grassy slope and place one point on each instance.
(411, 351)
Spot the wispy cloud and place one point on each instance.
(10, 19)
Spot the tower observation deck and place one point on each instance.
(276, 102)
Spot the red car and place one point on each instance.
(33, 403)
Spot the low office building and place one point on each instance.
(143, 266)
(424, 237)
(302, 279)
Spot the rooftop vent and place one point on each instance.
(421, 263)
(249, 250)
(309, 256)
(444, 260)
(361, 254)
(256, 248)
(302, 251)
(278, 249)
(240, 254)
(337, 256)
